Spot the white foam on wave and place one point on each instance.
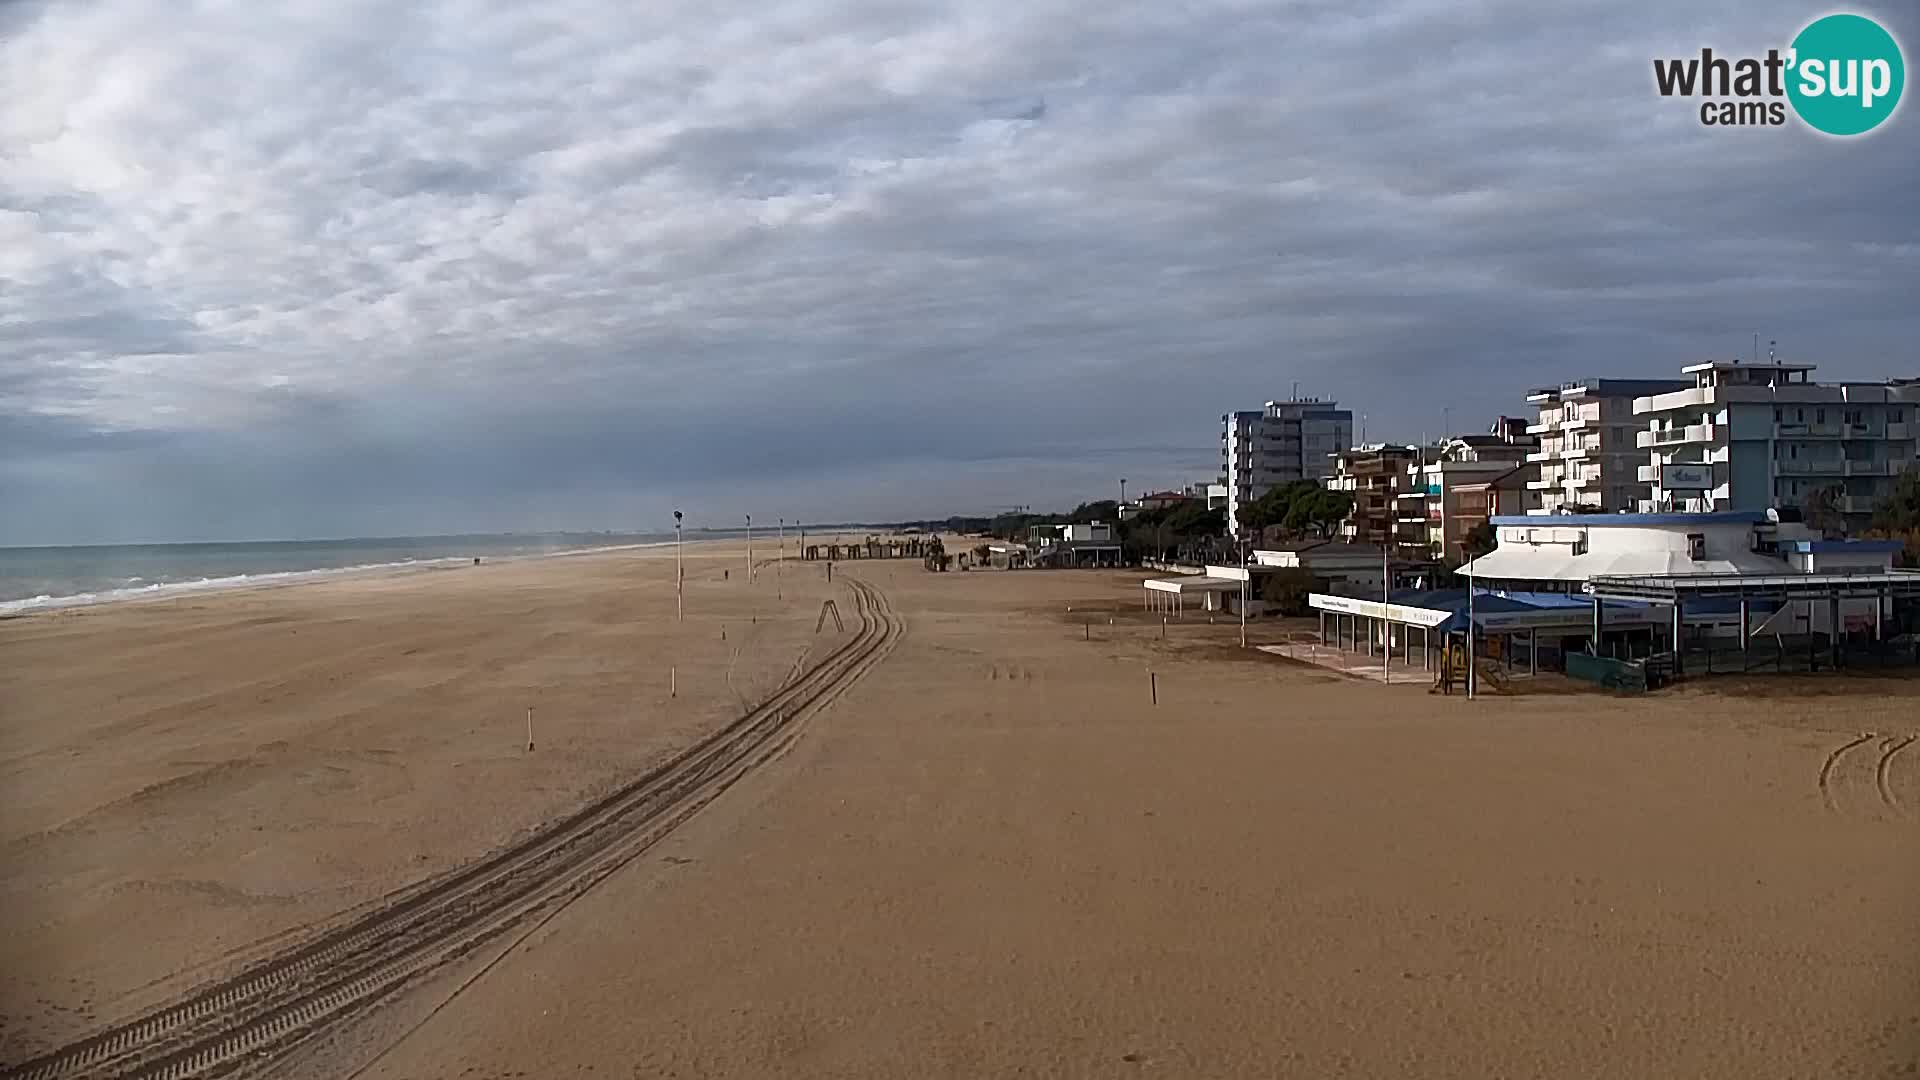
(154, 590)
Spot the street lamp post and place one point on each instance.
(1246, 575)
(1123, 494)
(679, 575)
(1470, 661)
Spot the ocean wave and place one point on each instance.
(152, 590)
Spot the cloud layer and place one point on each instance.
(344, 268)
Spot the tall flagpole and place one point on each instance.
(779, 571)
(679, 575)
(749, 549)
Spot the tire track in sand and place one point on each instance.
(250, 1019)
(1833, 759)
(1890, 748)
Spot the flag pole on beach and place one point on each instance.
(779, 571)
(749, 549)
(679, 574)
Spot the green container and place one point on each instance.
(1619, 675)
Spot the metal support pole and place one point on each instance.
(1533, 651)
(1679, 642)
(1744, 618)
(1599, 621)
(1833, 627)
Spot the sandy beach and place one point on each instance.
(987, 853)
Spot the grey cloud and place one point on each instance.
(476, 260)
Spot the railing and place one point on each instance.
(1663, 437)
(1899, 431)
(1866, 468)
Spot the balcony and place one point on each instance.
(1542, 455)
(1806, 431)
(1543, 485)
(1899, 431)
(1663, 437)
(1576, 453)
(1540, 428)
(1578, 424)
(1855, 504)
(1648, 474)
(1700, 432)
(1866, 468)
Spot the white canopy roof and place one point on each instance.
(1193, 584)
(1663, 553)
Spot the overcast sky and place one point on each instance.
(340, 267)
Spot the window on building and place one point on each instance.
(1893, 416)
(1696, 546)
(1819, 416)
(1777, 412)
(1855, 416)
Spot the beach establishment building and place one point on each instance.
(1765, 436)
(1635, 584)
(1336, 567)
(1282, 442)
(1072, 544)
(1589, 461)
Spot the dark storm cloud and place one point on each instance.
(488, 266)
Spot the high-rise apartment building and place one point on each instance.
(1589, 461)
(1739, 437)
(1281, 443)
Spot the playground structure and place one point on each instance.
(874, 547)
(1451, 675)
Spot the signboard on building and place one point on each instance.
(1686, 477)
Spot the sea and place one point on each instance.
(36, 578)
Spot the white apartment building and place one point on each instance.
(1279, 444)
(1589, 462)
(1457, 485)
(1746, 437)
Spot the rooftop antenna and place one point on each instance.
(1296, 388)
(1770, 346)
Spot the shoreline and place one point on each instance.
(281, 579)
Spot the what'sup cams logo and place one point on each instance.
(1842, 75)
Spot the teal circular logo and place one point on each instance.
(1845, 74)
